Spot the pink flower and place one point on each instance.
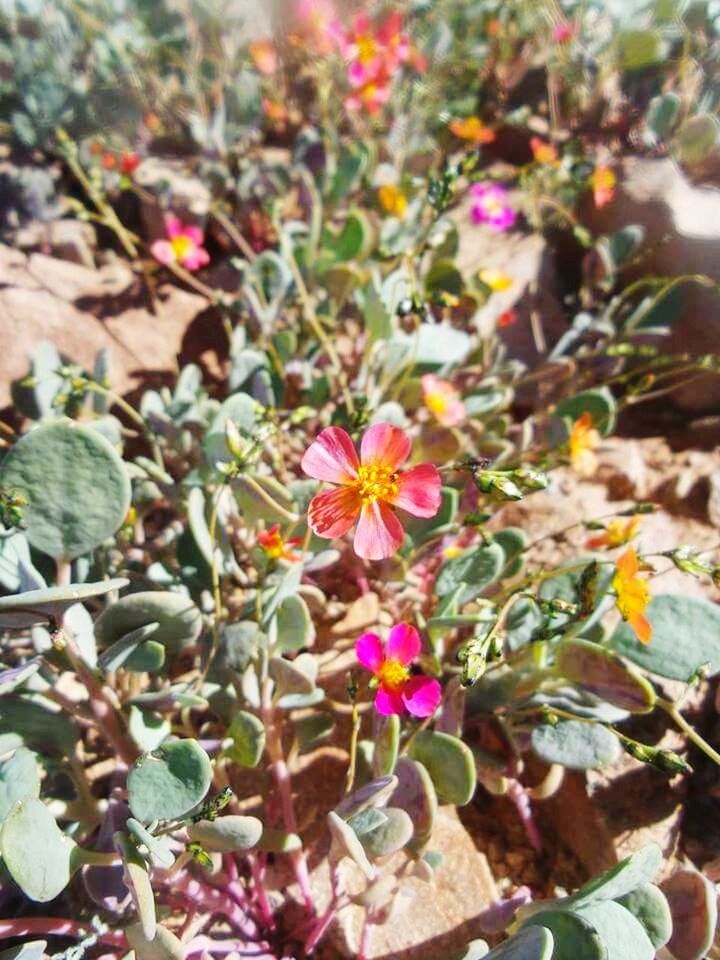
(490, 206)
(264, 56)
(369, 489)
(184, 245)
(398, 689)
(563, 31)
(320, 21)
(442, 400)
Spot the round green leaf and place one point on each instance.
(416, 795)
(697, 138)
(76, 485)
(639, 49)
(40, 858)
(49, 603)
(345, 843)
(532, 943)
(293, 625)
(227, 834)
(372, 794)
(686, 634)
(623, 936)
(389, 836)
(604, 674)
(386, 737)
(621, 879)
(168, 782)
(648, 904)
(576, 745)
(19, 780)
(137, 879)
(179, 620)
(600, 404)
(248, 739)
(574, 938)
(449, 762)
(477, 568)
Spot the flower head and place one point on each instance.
(603, 183)
(508, 318)
(632, 594)
(392, 199)
(563, 31)
(584, 438)
(472, 129)
(184, 245)
(369, 488)
(442, 400)
(616, 534)
(264, 56)
(320, 23)
(398, 689)
(545, 153)
(275, 546)
(490, 206)
(108, 161)
(496, 279)
(129, 162)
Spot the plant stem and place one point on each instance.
(57, 927)
(672, 711)
(133, 415)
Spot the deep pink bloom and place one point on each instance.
(563, 31)
(490, 206)
(370, 488)
(184, 245)
(398, 689)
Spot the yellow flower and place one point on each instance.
(617, 533)
(583, 440)
(392, 199)
(603, 183)
(545, 153)
(472, 129)
(496, 279)
(633, 594)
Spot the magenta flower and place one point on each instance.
(398, 689)
(183, 246)
(370, 488)
(490, 206)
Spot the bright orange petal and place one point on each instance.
(642, 627)
(332, 512)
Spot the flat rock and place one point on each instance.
(82, 310)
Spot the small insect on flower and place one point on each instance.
(603, 182)
(398, 690)
(184, 245)
(264, 56)
(276, 547)
(632, 594)
(544, 153)
(369, 488)
(392, 199)
(584, 438)
(442, 400)
(616, 534)
(490, 205)
(496, 279)
(471, 129)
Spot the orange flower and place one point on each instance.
(616, 534)
(275, 547)
(583, 440)
(496, 279)
(472, 129)
(108, 161)
(603, 183)
(392, 199)
(264, 56)
(545, 153)
(507, 319)
(632, 594)
(442, 400)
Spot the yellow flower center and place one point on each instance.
(376, 482)
(437, 403)
(366, 49)
(393, 675)
(182, 246)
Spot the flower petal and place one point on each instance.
(331, 456)
(385, 445)
(403, 644)
(196, 258)
(627, 565)
(642, 627)
(418, 490)
(194, 233)
(421, 696)
(388, 702)
(369, 651)
(173, 226)
(163, 252)
(379, 532)
(332, 512)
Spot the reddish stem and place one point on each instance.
(519, 796)
(260, 894)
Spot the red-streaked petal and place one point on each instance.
(369, 651)
(403, 643)
(421, 696)
(419, 490)
(388, 702)
(331, 456)
(379, 532)
(332, 512)
(385, 445)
